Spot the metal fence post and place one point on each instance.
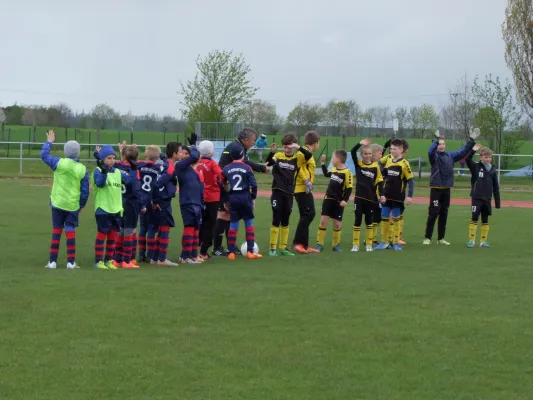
(419, 168)
(20, 156)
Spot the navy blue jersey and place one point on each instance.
(166, 183)
(149, 172)
(191, 181)
(131, 189)
(240, 178)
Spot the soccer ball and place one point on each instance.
(244, 248)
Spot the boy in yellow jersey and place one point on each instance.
(377, 154)
(369, 185)
(304, 196)
(285, 165)
(398, 174)
(337, 196)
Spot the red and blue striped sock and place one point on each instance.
(250, 238)
(163, 236)
(133, 245)
(54, 243)
(195, 243)
(142, 245)
(99, 247)
(187, 240)
(71, 246)
(119, 248)
(232, 240)
(127, 248)
(110, 245)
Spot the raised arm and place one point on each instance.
(354, 154)
(49, 160)
(460, 154)
(100, 177)
(189, 161)
(432, 151)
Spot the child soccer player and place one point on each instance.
(70, 192)
(212, 174)
(242, 194)
(107, 186)
(132, 205)
(377, 154)
(285, 165)
(337, 196)
(484, 185)
(397, 174)
(162, 199)
(149, 172)
(304, 196)
(191, 183)
(369, 185)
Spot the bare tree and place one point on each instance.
(258, 112)
(128, 120)
(337, 114)
(429, 119)
(305, 117)
(518, 36)
(446, 118)
(354, 116)
(369, 117)
(464, 106)
(382, 116)
(413, 119)
(402, 115)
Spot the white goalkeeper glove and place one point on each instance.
(474, 133)
(437, 134)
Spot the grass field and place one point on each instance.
(426, 323)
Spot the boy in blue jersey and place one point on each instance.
(191, 183)
(149, 170)
(107, 181)
(162, 210)
(70, 192)
(132, 204)
(242, 194)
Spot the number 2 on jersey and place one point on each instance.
(237, 178)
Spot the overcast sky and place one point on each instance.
(133, 54)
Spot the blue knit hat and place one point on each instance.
(106, 151)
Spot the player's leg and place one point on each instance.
(396, 213)
(221, 228)
(209, 217)
(369, 220)
(391, 229)
(119, 243)
(197, 210)
(486, 211)
(376, 212)
(385, 227)
(58, 222)
(166, 222)
(443, 215)
(284, 224)
(276, 201)
(130, 217)
(111, 238)
(337, 228)
(247, 214)
(323, 224)
(402, 210)
(306, 206)
(358, 209)
(433, 214)
(143, 230)
(71, 223)
(472, 228)
(152, 245)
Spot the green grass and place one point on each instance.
(427, 323)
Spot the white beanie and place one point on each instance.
(72, 149)
(206, 148)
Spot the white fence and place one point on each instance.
(14, 156)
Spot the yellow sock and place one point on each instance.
(484, 233)
(391, 230)
(274, 231)
(283, 237)
(396, 229)
(375, 232)
(401, 225)
(385, 228)
(472, 231)
(369, 234)
(336, 237)
(356, 235)
(320, 235)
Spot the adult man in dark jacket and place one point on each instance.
(245, 140)
(441, 182)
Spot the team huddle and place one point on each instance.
(214, 197)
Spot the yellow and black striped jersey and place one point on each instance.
(307, 171)
(340, 183)
(285, 168)
(368, 177)
(396, 173)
